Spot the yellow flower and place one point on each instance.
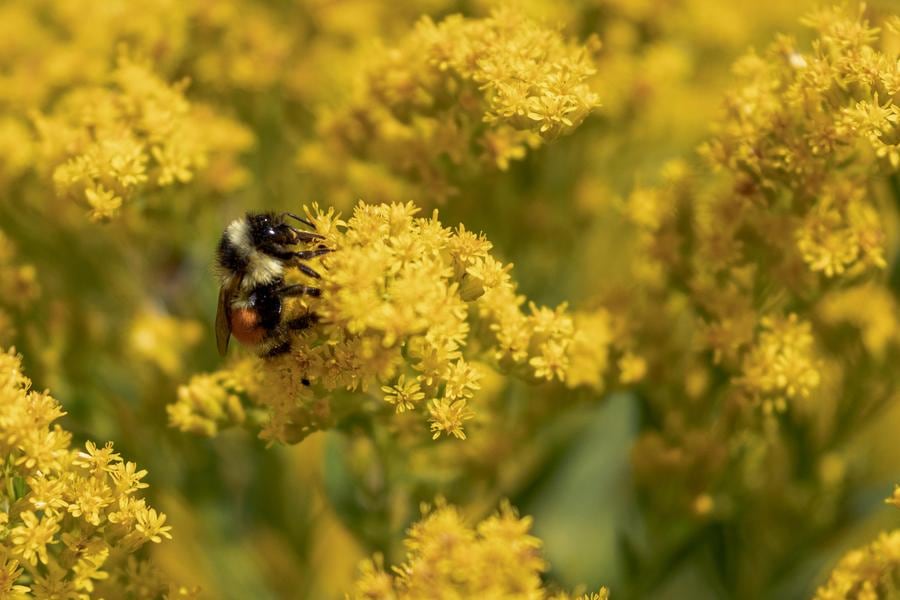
(447, 558)
(30, 539)
(869, 308)
(71, 496)
(447, 416)
(782, 364)
(867, 573)
(404, 395)
(103, 144)
(632, 368)
(841, 230)
(19, 287)
(895, 497)
(152, 525)
(797, 115)
(210, 400)
(10, 572)
(472, 93)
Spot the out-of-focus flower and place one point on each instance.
(18, 287)
(869, 572)
(796, 115)
(163, 339)
(70, 519)
(782, 364)
(448, 558)
(105, 144)
(895, 497)
(243, 45)
(761, 284)
(495, 87)
(869, 308)
(209, 401)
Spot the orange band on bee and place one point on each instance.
(245, 326)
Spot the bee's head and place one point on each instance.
(265, 229)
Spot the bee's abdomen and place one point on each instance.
(246, 326)
(266, 302)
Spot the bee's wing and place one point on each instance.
(223, 320)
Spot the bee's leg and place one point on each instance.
(304, 322)
(293, 257)
(304, 236)
(298, 289)
(308, 254)
(306, 269)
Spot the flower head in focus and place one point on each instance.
(410, 313)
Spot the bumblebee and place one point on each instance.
(253, 255)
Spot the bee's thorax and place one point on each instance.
(239, 255)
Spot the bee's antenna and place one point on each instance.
(304, 221)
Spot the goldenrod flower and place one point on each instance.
(448, 558)
(63, 509)
(895, 497)
(211, 400)
(796, 115)
(499, 86)
(103, 144)
(404, 395)
(867, 573)
(782, 364)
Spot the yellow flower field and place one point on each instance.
(542, 300)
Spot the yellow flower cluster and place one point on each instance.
(18, 287)
(212, 400)
(870, 572)
(758, 239)
(498, 85)
(107, 134)
(867, 573)
(760, 286)
(241, 45)
(799, 113)
(446, 558)
(107, 143)
(782, 363)
(407, 305)
(71, 520)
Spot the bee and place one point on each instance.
(253, 255)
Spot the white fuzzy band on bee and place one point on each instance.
(238, 235)
(261, 268)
